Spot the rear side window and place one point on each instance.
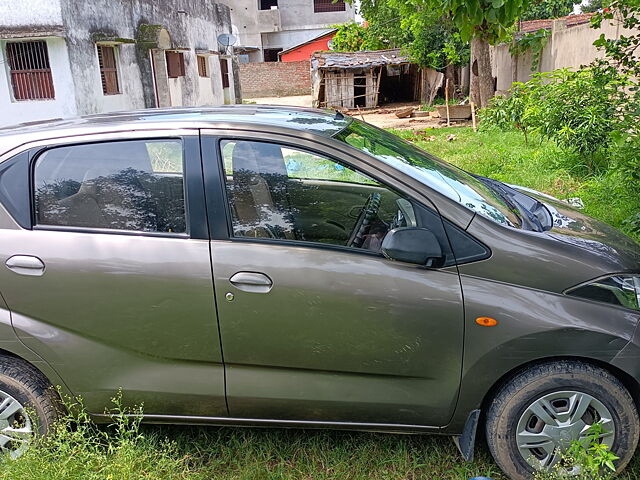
(133, 185)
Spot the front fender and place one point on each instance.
(533, 325)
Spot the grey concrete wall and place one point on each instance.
(62, 106)
(567, 48)
(192, 24)
(292, 23)
(32, 13)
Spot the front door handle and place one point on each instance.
(252, 282)
(25, 265)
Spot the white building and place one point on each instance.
(266, 27)
(64, 58)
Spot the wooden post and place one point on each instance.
(375, 102)
(473, 116)
(446, 100)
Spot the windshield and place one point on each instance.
(442, 177)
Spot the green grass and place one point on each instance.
(541, 165)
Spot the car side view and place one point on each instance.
(286, 267)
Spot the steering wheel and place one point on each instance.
(367, 214)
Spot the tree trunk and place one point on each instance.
(450, 74)
(481, 72)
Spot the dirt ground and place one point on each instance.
(383, 117)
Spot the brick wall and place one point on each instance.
(275, 79)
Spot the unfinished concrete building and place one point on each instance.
(267, 27)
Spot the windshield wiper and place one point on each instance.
(530, 220)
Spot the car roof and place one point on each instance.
(319, 122)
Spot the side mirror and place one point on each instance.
(412, 245)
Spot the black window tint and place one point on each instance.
(13, 194)
(466, 248)
(130, 185)
(280, 192)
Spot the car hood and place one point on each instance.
(573, 227)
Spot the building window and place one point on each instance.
(267, 4)
(203, 65)
(320, 6)
(271, 54)
(175, 64)
(30, 70)
(224, 72)
(108, 70)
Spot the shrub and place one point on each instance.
(578, 110)
(80, 449)
(593, 461)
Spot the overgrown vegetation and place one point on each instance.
(127, 450)
(593, 113)
(589, 461)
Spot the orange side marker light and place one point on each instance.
(486, 321)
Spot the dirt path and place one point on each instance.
(383, 117)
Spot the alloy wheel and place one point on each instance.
(16, 427)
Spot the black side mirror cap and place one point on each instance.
(412, 245)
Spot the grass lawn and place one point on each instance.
(163, 453)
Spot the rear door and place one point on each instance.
(111, 282)
(316, 325)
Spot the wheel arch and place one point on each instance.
(629, 382)
(42, 367)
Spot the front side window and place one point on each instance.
(30, 70)
(132, 185)
(436, 174)
(280, 192)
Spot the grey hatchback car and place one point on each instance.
(286, 267)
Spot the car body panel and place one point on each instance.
(533, 325)
(526, 258)
(347, 337)
(117, 309)
(394, 362)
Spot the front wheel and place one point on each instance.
(542, 410)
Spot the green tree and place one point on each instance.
(482, 22)
(591, 6)
(429, 40)
(541, 9)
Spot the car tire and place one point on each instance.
(560, 385)
(29, 405)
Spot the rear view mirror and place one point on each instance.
(412, 245)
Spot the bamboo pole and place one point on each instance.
(473, 116)
(446, 100)
(375, 101)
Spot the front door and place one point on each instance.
(316, 325)
(113, 285)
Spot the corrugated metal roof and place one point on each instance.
(375, 58)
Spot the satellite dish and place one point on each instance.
(226, 40)
(330, 44)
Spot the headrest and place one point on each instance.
(258, 158)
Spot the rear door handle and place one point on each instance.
(25, 265)
(252, 282)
